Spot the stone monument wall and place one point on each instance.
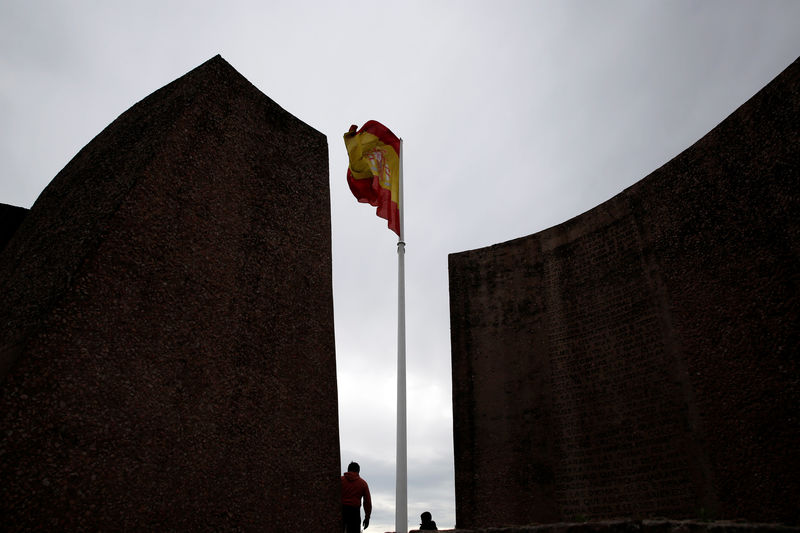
(641, 359)
(166, 333)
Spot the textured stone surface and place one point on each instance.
(641, 359)
(167, 325)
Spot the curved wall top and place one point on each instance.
(641, 359)
(160, 300)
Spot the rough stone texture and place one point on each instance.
(11, 218)
(167, 326)
(641, 359)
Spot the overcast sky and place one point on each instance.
(516, 116)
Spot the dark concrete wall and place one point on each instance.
(641, 359)
(167, 325)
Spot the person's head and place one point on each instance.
(353, 467)
(426, 517)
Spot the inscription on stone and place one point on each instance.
(619, 420)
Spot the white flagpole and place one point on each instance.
(401, 483)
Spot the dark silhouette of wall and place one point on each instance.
(11, 218)
(641, 359)
(166, 331)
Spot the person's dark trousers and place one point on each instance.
(351, 519)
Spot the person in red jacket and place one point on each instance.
(353, 490)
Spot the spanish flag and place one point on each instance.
(374, 170)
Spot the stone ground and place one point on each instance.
(639, 526)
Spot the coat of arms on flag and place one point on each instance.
(374, 170)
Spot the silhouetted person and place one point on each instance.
(427, 524)
(353, 490)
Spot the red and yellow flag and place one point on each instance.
(374, 170)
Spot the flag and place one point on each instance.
(374, 170)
